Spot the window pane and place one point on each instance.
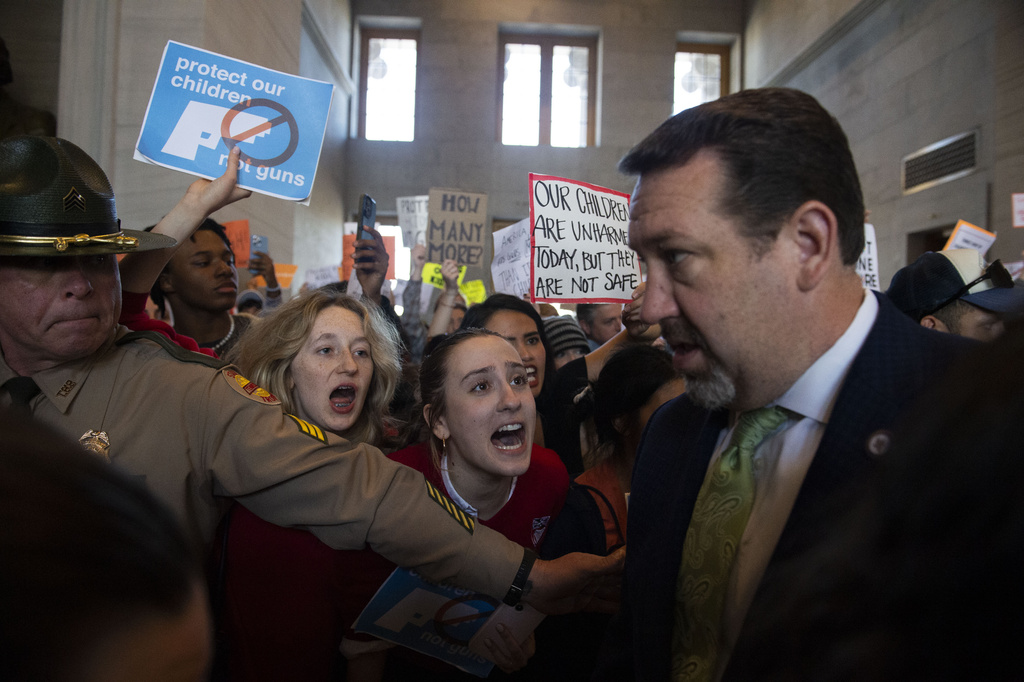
(391, 90)
(698, 79)
(569, 96)
(520, 101)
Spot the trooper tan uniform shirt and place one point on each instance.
(199, 435)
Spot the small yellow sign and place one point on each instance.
(432, 274)
(474, 291)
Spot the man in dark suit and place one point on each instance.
(749, 215)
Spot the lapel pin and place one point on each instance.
(879, 442)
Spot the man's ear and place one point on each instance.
(815, 230)
(932, 322)
(440, 429)
(164, 280)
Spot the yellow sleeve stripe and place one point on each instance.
(311, 430)
(466, 521)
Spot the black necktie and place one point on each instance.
(22, 390)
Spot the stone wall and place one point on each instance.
(903, 74)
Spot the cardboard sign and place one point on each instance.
(457, 228)
(412, 218)
(1018, 210)
(867, 264)
(510, 269)
(967, 236)
(579, 243)
(203, 104)
(436, 620)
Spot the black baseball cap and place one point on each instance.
(936, 279)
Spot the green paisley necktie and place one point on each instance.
(712, 539)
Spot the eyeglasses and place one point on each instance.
(996, 271)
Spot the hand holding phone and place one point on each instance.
(367, 221)
(258, 244)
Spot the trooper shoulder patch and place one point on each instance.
(311, 430)
(464, 519)
(243, 386)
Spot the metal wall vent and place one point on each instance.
(943, 161)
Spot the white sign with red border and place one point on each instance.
(579, 251)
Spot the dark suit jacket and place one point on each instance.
(898, 358)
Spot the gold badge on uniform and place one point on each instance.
(250, 390)
(96, 441)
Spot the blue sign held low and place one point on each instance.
(204, 104)
(436, 620)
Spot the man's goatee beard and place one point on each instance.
(711, 390)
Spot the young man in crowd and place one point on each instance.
(200, 283)
(955, 292)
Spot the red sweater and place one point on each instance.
(133, 316)
(289, 598)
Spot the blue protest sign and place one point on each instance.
(203, 104)
(436, 620)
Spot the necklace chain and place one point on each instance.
(220, 344)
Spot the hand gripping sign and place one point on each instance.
(436, 620)
(204, 104)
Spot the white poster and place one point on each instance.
(867, 264)
(510, 269)
(579, 243)
(412, 218)
(968, 236)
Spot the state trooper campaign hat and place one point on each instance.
(56, 201)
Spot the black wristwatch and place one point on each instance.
(515, 592)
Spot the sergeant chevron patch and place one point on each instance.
(311, 430)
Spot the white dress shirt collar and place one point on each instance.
(814, 393)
